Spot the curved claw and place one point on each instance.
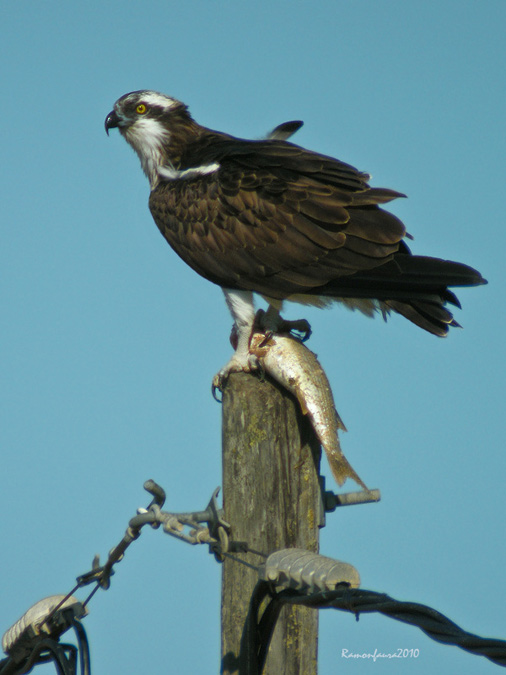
(267, 336)
(301, 329)
(217, 385)
(247, 365)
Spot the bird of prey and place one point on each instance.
(270, 217)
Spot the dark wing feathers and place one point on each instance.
(282, 221)
(285, 130)
(374, 196)
(425, 315)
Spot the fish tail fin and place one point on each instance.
(340, 467)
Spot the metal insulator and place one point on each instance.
(21, 635)
(308, 572)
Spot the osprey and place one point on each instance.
(270, 217)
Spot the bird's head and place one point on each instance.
(152, 123)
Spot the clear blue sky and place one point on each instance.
(109, 342)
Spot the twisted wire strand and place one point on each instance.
(434, 624)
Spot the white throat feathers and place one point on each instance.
(148, 137)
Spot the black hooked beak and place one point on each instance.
(111, 121)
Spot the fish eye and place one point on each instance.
(141, 109)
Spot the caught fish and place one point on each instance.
(297, 369)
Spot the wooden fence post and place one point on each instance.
(271, 498)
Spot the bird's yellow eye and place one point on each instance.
(141, 109)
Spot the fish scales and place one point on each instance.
(297, 369)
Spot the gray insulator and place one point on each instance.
(305, 571)
(33, 622)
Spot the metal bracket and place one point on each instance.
(174, 523)
(216, 534)
(329, 500)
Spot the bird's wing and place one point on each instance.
(275, 218)
(285, 130)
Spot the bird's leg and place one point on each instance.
(242, 308)
(271, 322)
